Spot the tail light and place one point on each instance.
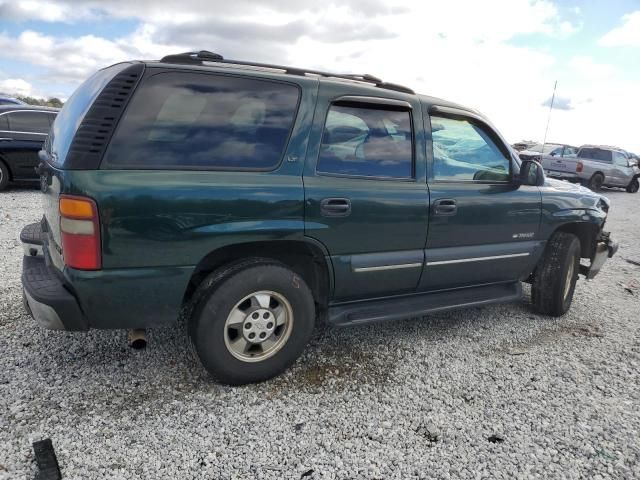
(579, 167)
(80, 230)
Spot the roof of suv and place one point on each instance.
(10, 108)
(363, 82)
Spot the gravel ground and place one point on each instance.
(496, 392)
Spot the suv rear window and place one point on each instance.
(595, 154)
(182, 120)
(74, 110)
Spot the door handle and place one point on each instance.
(445, 207)
(335, 207)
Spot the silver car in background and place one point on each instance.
(595, 166)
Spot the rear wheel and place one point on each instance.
(252, 322)
(555, 278)
(4, 176)
(633, 186)
(596, 182)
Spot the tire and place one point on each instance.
(238, 302)
(554, 280)
(4, 176)
(633, 186)
(596, 182)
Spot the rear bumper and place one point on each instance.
(47, 299)
(605, 249)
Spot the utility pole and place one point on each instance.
(553, 97)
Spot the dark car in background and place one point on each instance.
(23, 130)
(6, 100)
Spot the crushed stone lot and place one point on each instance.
(493, 392)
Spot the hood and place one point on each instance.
(529, 153)
(586, 196)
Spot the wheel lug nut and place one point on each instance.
(247, 325)
(270, 325)
(255, 315)
(262, 335)
(266, 315)
(252, 335)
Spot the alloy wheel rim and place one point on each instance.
(258, 326)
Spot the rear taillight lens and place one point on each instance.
(579, 167)
(80, 230)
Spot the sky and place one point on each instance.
(501, 57)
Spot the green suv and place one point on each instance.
(256, 200)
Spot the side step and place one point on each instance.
(31, 238)
(414, 305)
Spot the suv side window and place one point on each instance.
(31, 122)
(570, 152)
(464, 151)
(184, 120)
(368, 141)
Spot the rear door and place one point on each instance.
(483, 227)
(366, 198)
(27, 131)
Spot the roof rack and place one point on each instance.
(198, 58)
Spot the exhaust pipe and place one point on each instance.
(137, 338)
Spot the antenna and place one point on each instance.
(553, 97)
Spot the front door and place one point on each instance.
(483, 226)
(366, 198)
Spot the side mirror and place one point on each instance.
(531, 173)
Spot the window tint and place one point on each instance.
(463, 151)
(186, 120)
(595, 154)
(36, 122)
(367, 141)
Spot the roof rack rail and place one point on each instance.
(197, 58)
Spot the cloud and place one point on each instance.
(16, 87)
(625, 35)
(459, 50)
(559, 103)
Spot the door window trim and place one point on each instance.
(456, 114)
(369, 102)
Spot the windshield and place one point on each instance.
(548, 147)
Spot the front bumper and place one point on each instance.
(45, 295)
(605, 249)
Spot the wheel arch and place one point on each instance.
(305, 258)
(586, 232)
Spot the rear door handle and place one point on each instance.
(335, 207)
(445, 207)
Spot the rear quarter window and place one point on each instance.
(181, 120)
(595, 154)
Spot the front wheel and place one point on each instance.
(555, 277)
(633, 186)
(252, 322)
